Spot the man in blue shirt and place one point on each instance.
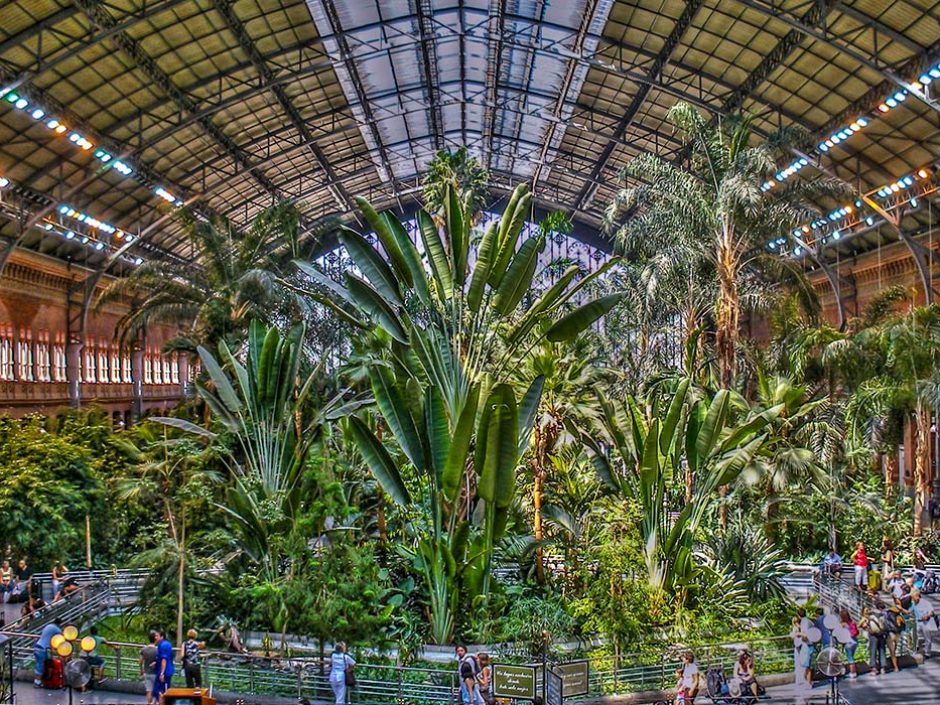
(41, 650)
(164, 665)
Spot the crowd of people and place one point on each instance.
(895, 606)
(19, 585)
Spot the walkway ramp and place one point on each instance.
(912, 686)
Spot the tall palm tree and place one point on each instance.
(709, 224)
(233, 277)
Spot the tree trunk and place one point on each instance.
(727, 320)
(921, 469)
(537, 523)
(179, 596)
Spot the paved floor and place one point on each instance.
(27, 695)
(918, 686)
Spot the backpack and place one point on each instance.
(876, 624)
(715, 681)
(895, 622)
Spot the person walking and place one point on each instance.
(689, 677)
(894, 627)
(341, 672)
(148, 665)
(860, 561)
(189, 655)
(852, 644)
(873, 622)
(467, 670)
(165, 669)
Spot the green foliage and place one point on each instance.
(459, 171)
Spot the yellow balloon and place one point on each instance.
(70, 633)
(56, 640)
(88, 644)
(65, 648)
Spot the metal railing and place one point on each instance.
(125, 583)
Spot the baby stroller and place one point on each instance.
(724, 692)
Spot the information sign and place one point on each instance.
(516, 682)
(554, 687)
(575, 677)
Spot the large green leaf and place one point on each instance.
(379, 461)
(392, 404)
(582, 283)
(481, 270)
(371, 264)
(518, 279)
(569, 326)
(510, 225)
(223, 386)
(528, 410)
(183, 425)
(376, 307)
(667, 436)
(437, 430)
(412, 258)
(459, 234)
(714, 422)
(543, 303)
(497, 479)
(389, 244)
(460, 446)
(437, 257)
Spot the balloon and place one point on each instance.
(88, 644)
(814, 635)
(70, 633)
(842, 635)
(831, 621)
(65, 648)
(56, 640)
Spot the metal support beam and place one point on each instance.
(494, 63)
(922, 256)
(643, 90)
(235, 25)
(423, 12)
(833, 40)
(835, 281)
(102, 18)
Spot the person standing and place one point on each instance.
(690, 677)
(341, 667)
(873, 621)
(6, 578)
(165, 669)
(189, 654)
(25, 575)
(467, 670)
(887, 560)
(41, 650)
(57, 571)
(860, 561)
(148, 666)
(894, 627)
(852, 644)
(926, 620)
(484, 679)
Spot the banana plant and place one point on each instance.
(639, 450)
(265, 403)
(452, 322)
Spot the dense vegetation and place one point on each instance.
(452, 440)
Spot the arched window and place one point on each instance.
(59, 361)
(104, 363)
(148, 370)
(43, 358)
(175, 368)
(90, 371)
(6, 354)
(115, 365)
(24, 356)
(126, 367)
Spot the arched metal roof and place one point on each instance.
(233, 104)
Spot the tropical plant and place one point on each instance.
(640, 447)
(267, 407)
(746, 556)
(443, 347)
(461, 172)
(232, 277)
(704, 229)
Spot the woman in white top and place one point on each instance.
(341, 663)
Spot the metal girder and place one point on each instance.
(832, 276)
(224, 7)
(922, 256)
(103, 19)
(675, 36)
(71, 50)
(833, 40)
(423, 11)
(776, 56)
(495, 25)
(350, 68)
